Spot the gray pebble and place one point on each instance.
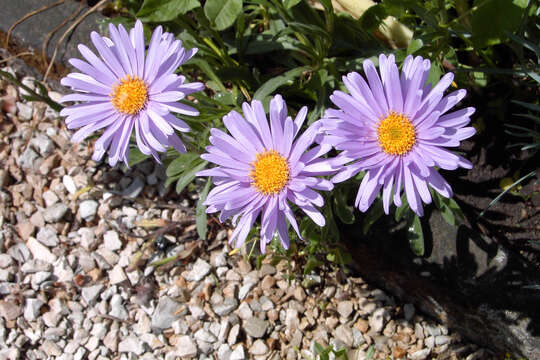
(55, 213)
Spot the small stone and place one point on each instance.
(268, 282)
(224, 352)
(244, 290)
(88, 209)
(134, 189)
(37, 219)
(185, 347)
(378, 320)
(9, 310)
(51, 348)
(226, 307)
(25, 230)
(258, 348)
(165, 313)
(233, 334)
(205, 335)
(131, 344)
(112, 241)
(43, 145)
(31, 309)
(223, 330)
(200, 269)
(40, 251)
(345, 308)
(255, 327)
(111, 340)
(442, 340)
(299, 294)
(91, 293)
(244, 311)
(430, 342)
(5, 260)
(69, 183)
(117, 308)
(420, 354)
(55, 213)
(267, 269)
(47, 236)
(408, 311)
(79, 354)
(50, 198)
(27, 159)
(196, 311)
(238, 353)
(117, 275)
(24, 111)
(88, 239)
(291, 319)
(344, 333)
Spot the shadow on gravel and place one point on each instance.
(466, 280)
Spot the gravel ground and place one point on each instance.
(76, 280)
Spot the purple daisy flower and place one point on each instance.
(397, 130)
(126, 89)
(261, 169)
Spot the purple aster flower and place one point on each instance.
(396, 128)
(126, 89)
(261, 169)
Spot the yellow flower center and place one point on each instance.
(270, 172)
(130, 95)
(396, 134)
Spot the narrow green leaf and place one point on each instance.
(136, 156)
(181, 163)
(165, 10)
(343, 211)
(222, 13)
(416, 236)
(370, 352)
(290, 3)
(271, 85)
(188, 177)
(200, 213)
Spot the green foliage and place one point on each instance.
(201, 212)
(489, 27)
(165, 10)
(324, 353)
(255, 49)
(222, 13)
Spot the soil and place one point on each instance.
(514, 220)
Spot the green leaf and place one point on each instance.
(373, 17)
(370, 352)
(181, 163)
(201, 212)
(343, 211)
(416, 235)
(290, 3)
(222, 13)
(435, 73)
(312, 264)
(414, 46)
(188, 177)
(271, 85)
(492, 18)
(136, 156)
(165, 10)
